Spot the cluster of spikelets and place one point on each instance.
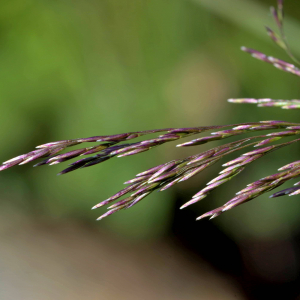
(166, 175)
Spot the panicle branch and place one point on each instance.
(164, 176)
(267, 102)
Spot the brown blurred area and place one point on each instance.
(76, 68)
(69, 260)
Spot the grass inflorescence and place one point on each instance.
(166, 175)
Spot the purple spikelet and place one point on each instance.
(166, 175)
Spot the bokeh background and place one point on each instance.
(79, 68)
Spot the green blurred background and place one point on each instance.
(81, 68)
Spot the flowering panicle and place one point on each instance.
(284, 104)
(166, 175)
